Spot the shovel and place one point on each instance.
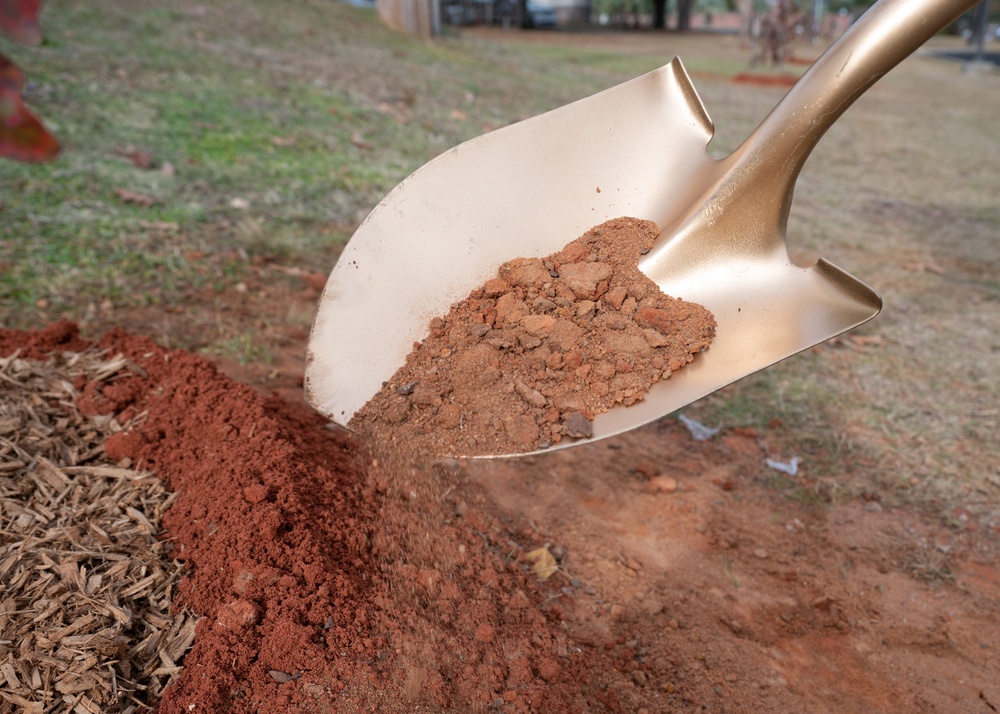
(638, 149)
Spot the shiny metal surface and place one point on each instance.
(637, 149)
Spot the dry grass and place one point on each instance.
(85, 585)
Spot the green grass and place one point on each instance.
(244, 348)
(279, 131)
(290, 147)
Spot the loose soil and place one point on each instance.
(691, 576)
(533, 355)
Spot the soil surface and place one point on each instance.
(533, 355)
(690, 576)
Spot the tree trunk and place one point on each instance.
(683, 15)
(660, 14)
(746, 20)
(414, 17)
(980, 27)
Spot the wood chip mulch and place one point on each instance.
(85, 584)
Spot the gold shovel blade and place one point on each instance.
(638, 149)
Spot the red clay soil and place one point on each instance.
(271, 519)
(692, 577)
(539, 350)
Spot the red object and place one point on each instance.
(19, 19)
(22, 135)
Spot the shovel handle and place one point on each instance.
(882, 38)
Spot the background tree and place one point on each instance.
(662, 7)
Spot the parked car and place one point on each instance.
(540, 16)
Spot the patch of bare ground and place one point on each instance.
(738, 588)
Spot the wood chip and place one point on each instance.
(85, 618)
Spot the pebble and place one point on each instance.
(530, 395)
(652, 606)
(662, 484)
(407, 389)
(577, 425)
(760, 553)
(237, 615)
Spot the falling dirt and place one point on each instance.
(691, 576)
(533, 355)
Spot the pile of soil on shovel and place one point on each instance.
(645, 573)
(533, 355)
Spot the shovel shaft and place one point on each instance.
(882, 38)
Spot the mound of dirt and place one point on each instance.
(324, 578)
(271, 519)
(645, 573)
(538, 351)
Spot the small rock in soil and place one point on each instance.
(578, 426)
(662, 484)
(237, 614)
